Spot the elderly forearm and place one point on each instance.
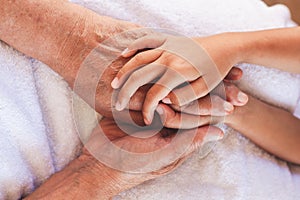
(37, 28)
(84, 178)
(58, 33)
(274, 129)
(62, 34)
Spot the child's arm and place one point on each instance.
(274, 129)
(271, 128)
(203, 63)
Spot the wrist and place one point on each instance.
(225, 49)
(103, 181)
(85, 178)
(237, 45)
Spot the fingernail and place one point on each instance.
(167, 101)
(228, 107)
(125, 52)
(147, 122)
(115, 83)
(213, 137)
(148, 118)
(159, 110)
(118, 106)
(242, 97)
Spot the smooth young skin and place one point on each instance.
(273, 129)
(279, 48)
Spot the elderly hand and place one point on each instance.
(210, 109)
(87, 177)
(146, 154)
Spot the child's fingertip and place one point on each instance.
(242, 97)
(167, 101)
(115, 83)
(228, 107)
(125, 52)
(146, 121)
(120, 105)
(148, 117)
(160, 110)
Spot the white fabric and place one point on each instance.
(297, 109)
(236, 169)
(38, 136)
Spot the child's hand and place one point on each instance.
(174, 61)
(207, 110)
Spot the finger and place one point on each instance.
(135, 63)
(137, 100)
(188, 93)
(158, 91)
(129, 117)
(136, 80)
(150, 41)
(110, 129)
(233, 94)
(196, 89)
(203, 135)
(183, 145)
(234, 74)
(208, 105)
(172, 119)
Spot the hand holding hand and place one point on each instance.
(174, 62)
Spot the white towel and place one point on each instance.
(236, 169)
(35, 111)
(38, 135)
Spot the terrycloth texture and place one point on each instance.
(38, 136)
(236, 169)
(25, 153)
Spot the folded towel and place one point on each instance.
(236, 169)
